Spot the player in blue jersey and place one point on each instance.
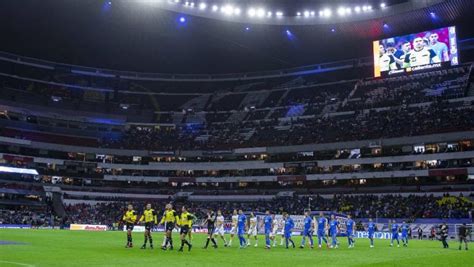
(394, 229)
(350, 231)
(405, 228)
(322, 227)
(333, 230)
(268, 223)
(308, 230)
(241, 224)
(289, 225)
(371, 228)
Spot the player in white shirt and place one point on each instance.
(273, 233)
(386, 60)
(252, 229)
(420, 55)
(233, 230)
(281, 230)
(219, 230)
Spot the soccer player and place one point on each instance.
(386, 60)
(281, 227)
(129, 218)
(350, 231)
(190, 224)
(405, 228)
(463, 232)
(420, 55)
(268, 224)
(308, 230)
(322, 227)
(333, 230)
(211, 227)
(289, 225)
(395, 229)
(220, 227)
(400, 54)
(170, 217)
(233, 229)
(183, 222)
(273, 234)
(440, 48)
(444, 230)
(252, 229)
(241, 225)
(150, 217)
(371, 231)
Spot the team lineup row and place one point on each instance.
(240, 227)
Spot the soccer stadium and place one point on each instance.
(236, 133)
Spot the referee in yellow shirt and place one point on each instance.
(184, 220)
(129, 218)
(190, 223)
(170, 217)
(150, 217)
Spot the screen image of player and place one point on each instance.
(412, 52)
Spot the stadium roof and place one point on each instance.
(130, 35)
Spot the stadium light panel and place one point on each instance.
(269, 14)
(365, 8)
(357, 9)
(251, 12)
(327, 12)
(237, 11)
(215, 8)
(312, 13)
(298, 13)
(18, 170)
(383, 5)
(306, 13)
(260, 12)
(341, 11)
(279, 14)
(202, 6)
(227, 9)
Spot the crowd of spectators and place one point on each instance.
(367, 206)
(34, 216)
(396, 122)
(409, 89)
(373, 109)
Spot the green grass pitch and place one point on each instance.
(77, 248)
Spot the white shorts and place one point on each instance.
(252, 231)
(233, 230)
(273, 233)
(219, 231)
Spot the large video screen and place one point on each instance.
(413, 52)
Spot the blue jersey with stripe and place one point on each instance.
(307, 223)
(371, 227)
(241, 221)
(268, 222)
